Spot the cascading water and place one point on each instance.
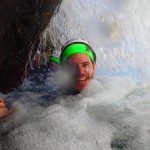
(112, 112)
(117, 30)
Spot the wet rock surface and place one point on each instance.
(21, 23)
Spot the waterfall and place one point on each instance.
(117, 30)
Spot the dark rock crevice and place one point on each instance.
(21, 23)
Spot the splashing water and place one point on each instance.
(112, 112)
(117, 30)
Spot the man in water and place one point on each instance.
(80, 60)
(53, 61)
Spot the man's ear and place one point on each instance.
(94, 66)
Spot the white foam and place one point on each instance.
(60, 126)
(108, 112)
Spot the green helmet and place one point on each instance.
(54, 57)
(77, 46)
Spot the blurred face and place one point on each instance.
(82, 70)
(53, 65)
